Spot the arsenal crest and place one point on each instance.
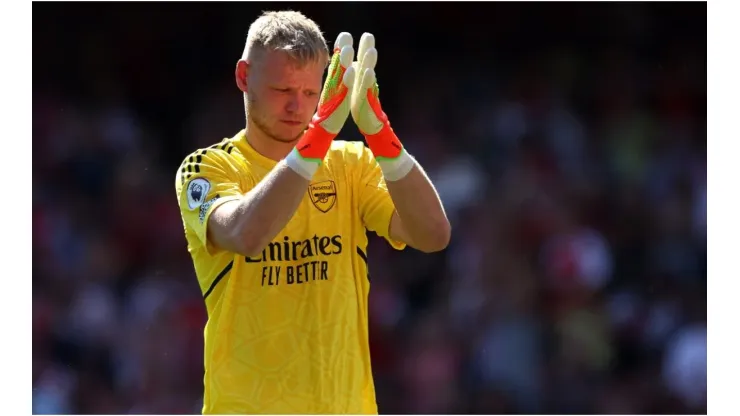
(323, 195)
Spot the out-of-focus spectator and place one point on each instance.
(685, 366)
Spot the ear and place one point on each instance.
(240, 73)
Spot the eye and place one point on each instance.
(278, 89)
(311, 93)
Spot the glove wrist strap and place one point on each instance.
(397, 169)
(393, 159)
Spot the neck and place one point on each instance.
(265, 145)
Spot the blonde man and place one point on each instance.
(276, 219)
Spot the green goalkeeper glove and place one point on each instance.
(369, 117)
(332, 112)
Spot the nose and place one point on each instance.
(294, 103)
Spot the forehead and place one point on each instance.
(278, 66)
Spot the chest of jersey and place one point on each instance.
(328, 207)
(319, 242)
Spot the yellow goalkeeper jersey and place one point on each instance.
(287, 330)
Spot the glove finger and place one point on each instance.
(369, 59)
(349, 78)
(346, 56)
(337, 66)
(344, 39)
(368, 78)
(367, 41)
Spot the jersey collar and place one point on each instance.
(241, 142)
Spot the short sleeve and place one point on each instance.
(375, 203)
(204, 181)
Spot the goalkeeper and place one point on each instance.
(276, 217)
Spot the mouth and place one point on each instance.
(291, 123)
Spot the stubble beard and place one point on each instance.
(256, 117)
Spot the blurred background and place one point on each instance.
(567, 141)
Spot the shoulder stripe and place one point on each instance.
(192, 163)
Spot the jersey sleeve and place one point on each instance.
(375, 203)
(205, 180)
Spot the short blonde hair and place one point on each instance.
(287, 31)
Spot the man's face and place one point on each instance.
(283, 95)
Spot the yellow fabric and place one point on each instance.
(287, 331)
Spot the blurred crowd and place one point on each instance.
(567, 142)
